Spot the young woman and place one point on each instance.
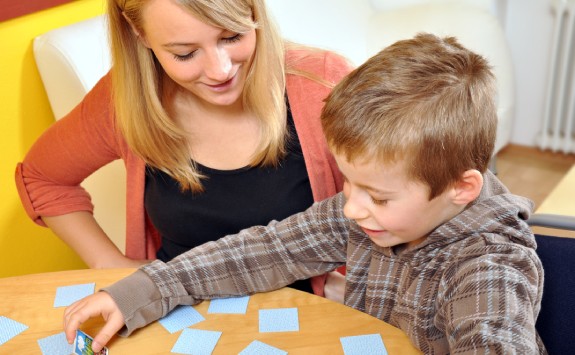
(216, 119)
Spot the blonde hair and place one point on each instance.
(137, 85)
(427, 101)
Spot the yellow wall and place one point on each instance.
(24, 114)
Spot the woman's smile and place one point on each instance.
(224, 85)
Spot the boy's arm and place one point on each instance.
(491, 303)
(255, 260)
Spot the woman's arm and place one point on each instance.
(70, 150)
(49, 179)
(81, 232)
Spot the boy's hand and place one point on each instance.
(97, 304)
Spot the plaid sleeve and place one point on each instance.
(490, 303)
(257, 259)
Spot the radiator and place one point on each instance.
(558, 128)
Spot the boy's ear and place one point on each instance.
(468, 187)
(135, 30)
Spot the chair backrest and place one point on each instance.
(71, 60)
(556, 321)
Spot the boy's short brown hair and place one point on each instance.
(427, 101)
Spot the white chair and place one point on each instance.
(71, 59)
(358, 29)
(475, 27)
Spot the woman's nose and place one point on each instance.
(217, 65)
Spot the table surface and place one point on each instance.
(560, 201)
(29, 300)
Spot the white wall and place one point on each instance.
(529, 27)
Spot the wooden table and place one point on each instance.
(29, 300)
(561, 201)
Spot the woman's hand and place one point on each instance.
(334, 288)
(126, 262)
(80, 231)
(98, 304)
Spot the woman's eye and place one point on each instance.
(233, 38)
(184, 57)
(230, 39)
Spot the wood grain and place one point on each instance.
(29, 300)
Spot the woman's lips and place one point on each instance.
(222, 86)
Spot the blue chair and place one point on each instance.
(556, 321)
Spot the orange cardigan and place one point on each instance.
(48, 180)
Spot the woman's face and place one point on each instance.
(210, 62)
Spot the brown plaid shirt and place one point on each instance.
(473, 287)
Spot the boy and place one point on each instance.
(433, 243)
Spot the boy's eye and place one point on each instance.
(378, 202)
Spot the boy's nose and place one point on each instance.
(217, 65)
(354, 206)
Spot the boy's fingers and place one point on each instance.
(99, 304)
(73, 318)
(113, 325)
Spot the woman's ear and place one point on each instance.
(468, 187)
(135, 30)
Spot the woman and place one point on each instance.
(216, 121)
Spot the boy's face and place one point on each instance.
(388, 207)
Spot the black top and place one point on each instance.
(232, 200)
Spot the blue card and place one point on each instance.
(196, 341)
(232, 305)
(66, 295)
(9, 328)
(370, 344)
(181, 317)
(256, 347)
(279, 320)
(55, 345)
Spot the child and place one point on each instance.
(433, 243)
